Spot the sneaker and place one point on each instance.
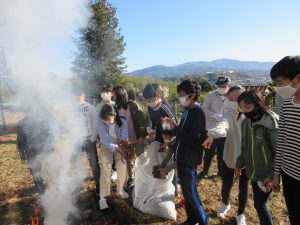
(114, 176)
(223, 210)
(241, 220)
(123, 194)
(103, 203)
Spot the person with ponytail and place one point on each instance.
(258, 145)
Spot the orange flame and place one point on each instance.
(35, 219)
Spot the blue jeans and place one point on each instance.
(193, 205)
(260, 204)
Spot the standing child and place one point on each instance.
(259, 135)
(288, 147)
(112, 129)
(136, 121)
(230, 128)
(157, 109)
(190, 134)
(89, 145)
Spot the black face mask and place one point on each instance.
(251, 114)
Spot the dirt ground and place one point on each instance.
(18, 196)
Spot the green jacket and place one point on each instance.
(139, 119)
(258, 147)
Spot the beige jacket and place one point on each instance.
(230, 128)
(213, 107)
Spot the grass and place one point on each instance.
(18, 197)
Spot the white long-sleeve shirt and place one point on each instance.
(91, 121)
(230, 128)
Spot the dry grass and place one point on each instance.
(17, 195)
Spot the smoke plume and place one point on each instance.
(34, 34)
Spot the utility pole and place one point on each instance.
(2, 75)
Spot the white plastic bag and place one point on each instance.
(151, 195)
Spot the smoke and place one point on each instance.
(34, 34)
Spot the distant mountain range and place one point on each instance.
(200, 67)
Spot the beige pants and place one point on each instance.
(106, 161)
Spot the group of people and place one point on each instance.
(251, 141)
(254, 143)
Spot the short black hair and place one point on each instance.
(190, 87)
(106, 88)
(288, 67)
(106, 111)
(121, 97)
(152, 90)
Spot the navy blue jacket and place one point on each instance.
(190, 135)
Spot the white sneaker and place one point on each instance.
(223, 210)
(103, 203)
(241, 220)
(123, 194)
(114, 176)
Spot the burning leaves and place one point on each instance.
(35, 218)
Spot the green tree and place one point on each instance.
(99, 59)
(270, 98)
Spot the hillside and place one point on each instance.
(201, 67)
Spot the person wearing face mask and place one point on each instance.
(230, 128)
(89, 146)
(106, 96)
(258, 146)
(112, 129)
(188, 151)
(283, 79)
(213, 107)
(136, 121)
(288, 148)
(157, 109)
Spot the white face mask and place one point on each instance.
(166, 126)
(232, 105)
(286, 91)
(152, 104)
(108, 123)
(222, 91)
(184, 102)
(106, 96)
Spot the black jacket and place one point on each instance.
(155, 116)
(190, 135)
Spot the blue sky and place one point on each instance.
(170, 32)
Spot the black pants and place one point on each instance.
(91, 153)
(291, 194)
(193, 205)
(261, 205)
(228, 175)
(217, 146)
